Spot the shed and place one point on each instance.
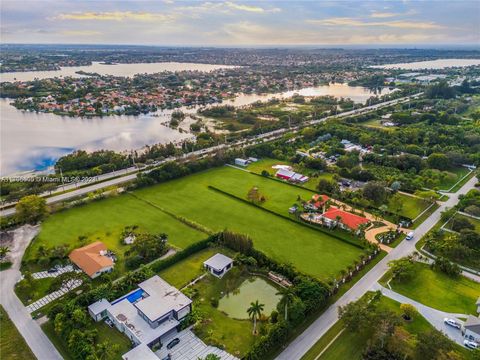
(241, 162)
(98, 310)
(218, 265)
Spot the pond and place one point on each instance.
(235, 304)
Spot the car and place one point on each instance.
(452, 323)
(172, 343)
(52, 270)
(410, 235)
(470, 344)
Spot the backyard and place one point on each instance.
(12, 344)
(411, 206)
(439, 291)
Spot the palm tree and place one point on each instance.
(254, 311)
(288, 295)
(4, 250)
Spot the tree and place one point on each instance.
(327, 186)
(409, 311)
(212, 357)
(431, 343)
(288, 295)
(253, 195)
(401, 269)
(150, 246)
(461, 223)
(375, 192)
(106, 350)
(68, 280)
(4, 250)
(438, 161)
(31, 209)
(356, 315)
(254, 312)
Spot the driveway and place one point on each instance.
(298, 347)
(433, 316)
(190, 347)
(30, 330)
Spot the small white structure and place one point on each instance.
(252, 159)
(218, 265)
(129, 240)
(471, 329)
(241, 162)
(142, 352)
(98, 310)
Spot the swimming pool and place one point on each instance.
(131, 297)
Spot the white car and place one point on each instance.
(470, 344)
(452, 322)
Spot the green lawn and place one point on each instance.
(460, 172)
(12, 344)
(38, 289)
(104, 220)
(184, 271)
(309, 250)
(350, 345)
(412, 206)
(473, 221)
(437, 290)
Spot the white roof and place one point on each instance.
(99, 306)
(218, 261)
(285, 172)
(127, 314)
(140, 352)
(162, 298)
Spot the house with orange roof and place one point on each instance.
(343, 219)
(93, 259)
(318, 201)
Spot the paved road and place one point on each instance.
(30, 330)
(297, 348)
(126, 175)
(434, 317)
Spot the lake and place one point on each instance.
(432, 64)
(34, 141)
(235, 304)
(116, 70)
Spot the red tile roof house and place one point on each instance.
(92, 259)
(347, 221)
(318, 201)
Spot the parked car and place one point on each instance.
(452, 323)
(109, 322)
(172, 343)
(470, 344)
(410, 235)
(52, 270)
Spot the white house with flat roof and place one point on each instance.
(218, 265)
(146, 314)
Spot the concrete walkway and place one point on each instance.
(298, 347)
(433, 316)
(36, 339)
(46, 274)
(47, 299)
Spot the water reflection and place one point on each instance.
(431, 65)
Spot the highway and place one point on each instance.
(118, 177)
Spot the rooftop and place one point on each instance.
(99, 306)
(348, 219)
(218, 261)
(162, 298)
(90, 258)
(142, 352)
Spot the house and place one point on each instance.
(241, 162)
(93, 259)
(318, 201)
(343, 219)
(291, 176)
(471, 328)
(218, 265)
(145, 315)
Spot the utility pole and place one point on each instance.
(61, 176)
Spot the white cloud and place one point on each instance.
(355, 22)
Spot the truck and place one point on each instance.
(410, 235)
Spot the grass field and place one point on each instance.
(350, 345)
(439, 291)
(105, 220)
(39, 288)
(12, 344)
(182, 272)
(460, 172)
(309, 250)
(412, 206)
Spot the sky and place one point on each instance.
(241, 23)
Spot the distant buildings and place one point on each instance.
(94, 259)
